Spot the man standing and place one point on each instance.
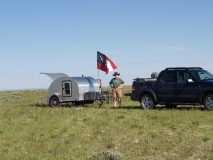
(116, 85)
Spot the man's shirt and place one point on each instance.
(115, 83)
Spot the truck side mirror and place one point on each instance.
(190, 81)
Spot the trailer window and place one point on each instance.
(67, 88)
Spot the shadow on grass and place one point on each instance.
(127, 94)
(59, 106)
(67, 105)
(163, 108)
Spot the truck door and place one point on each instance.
(66, 88)
(188, 90)
(166, 86)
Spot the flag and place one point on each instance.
(104, 63)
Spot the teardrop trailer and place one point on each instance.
(75, 90)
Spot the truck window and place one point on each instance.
(169, 76)
(183, 76)
(205, 75)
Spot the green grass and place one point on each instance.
(29, 131)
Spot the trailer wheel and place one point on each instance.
(147, 102)
(54, 101)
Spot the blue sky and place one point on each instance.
(141, 36)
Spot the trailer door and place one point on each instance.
(67, 88)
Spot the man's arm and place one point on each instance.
(111, 83)
(122, 82)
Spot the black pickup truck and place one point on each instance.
(175, 86)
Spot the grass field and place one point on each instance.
(31, 131)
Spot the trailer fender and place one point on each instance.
(58, 95)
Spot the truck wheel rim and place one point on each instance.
(147, 102)
(209, 102)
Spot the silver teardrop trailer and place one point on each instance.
(77, 90)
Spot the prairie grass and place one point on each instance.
(30, 130)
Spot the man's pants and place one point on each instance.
(117, 95)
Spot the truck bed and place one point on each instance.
(142, 80)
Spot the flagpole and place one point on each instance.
(98, 73)
(99, 79)
(98, 76)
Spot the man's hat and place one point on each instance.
(116, 74)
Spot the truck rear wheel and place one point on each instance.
(54, 101)
(147, 102)
(208, 102)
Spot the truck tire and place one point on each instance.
(54, 101)
(208, 102)
(147, 101)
